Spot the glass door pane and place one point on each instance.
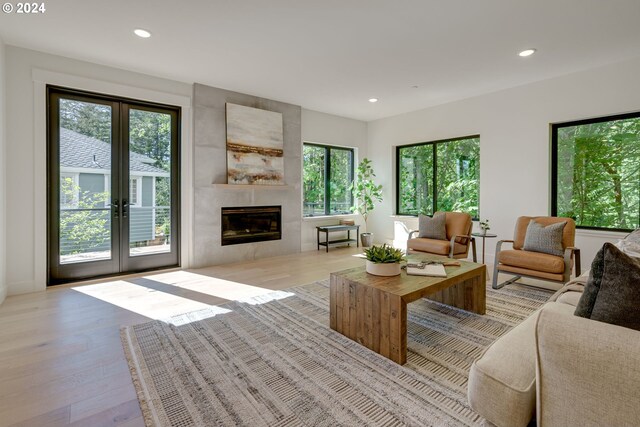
(150, 197)
(84, 181)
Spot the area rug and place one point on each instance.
(274, 361)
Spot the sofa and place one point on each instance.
(558, 369)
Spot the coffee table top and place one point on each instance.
(410, 287)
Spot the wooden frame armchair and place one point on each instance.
(458, 227)
(537, 265)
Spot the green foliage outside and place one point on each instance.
(384, 254)
(88, 225)
(599, 174)
(456, 178)
(365, 190)
(149, 135)
(319, 200)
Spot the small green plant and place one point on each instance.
(384, 254)
(484, 225)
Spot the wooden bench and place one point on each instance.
(326, 229)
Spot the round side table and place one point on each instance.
(484, 236)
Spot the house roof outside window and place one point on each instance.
(85, 153)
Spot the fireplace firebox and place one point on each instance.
(251, 224)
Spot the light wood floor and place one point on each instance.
(61, 361)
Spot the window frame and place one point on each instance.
(554, 161)
(435, 172)
(327, 176)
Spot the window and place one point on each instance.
(439, 175)
(327, 176)
(596, 172)
(134, 191)
(69, 190)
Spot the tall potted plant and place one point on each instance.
(365, 192)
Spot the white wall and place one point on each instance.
(3, 275)
(514, 143)
(27, 72)
(328, 129)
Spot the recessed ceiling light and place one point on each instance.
(527, 52)
(373, 99)
(142, 33)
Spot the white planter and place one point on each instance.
(389, 269)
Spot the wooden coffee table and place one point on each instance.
(372, 310)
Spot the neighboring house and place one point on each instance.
(85, 169)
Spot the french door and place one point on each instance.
(113, 185)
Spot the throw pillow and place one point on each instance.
(592, 287)
(543, 239)
(630, 245)
(432, 227)
(612, 294)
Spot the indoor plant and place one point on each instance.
(365, 192)
(383, 260)
(484, 226)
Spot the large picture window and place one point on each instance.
(327, 176)
(596, 172)
(439, 175)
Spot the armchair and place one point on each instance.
(458, 230)
(537, 265)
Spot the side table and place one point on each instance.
(484, 236)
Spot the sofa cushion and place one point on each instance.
(612, 294)
(434, 227)
(570, 298)
(548, 240)
(439, 247)
(630, 245)
(532, 261)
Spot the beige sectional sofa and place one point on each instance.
(563, 369)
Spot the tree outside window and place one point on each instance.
(327, 175)
(440, 175)
(596, 172)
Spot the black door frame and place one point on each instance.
(121, 262)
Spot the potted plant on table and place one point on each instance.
(383, 260)
(365, 193)
(484, 226)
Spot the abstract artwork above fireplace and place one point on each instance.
(254, 146)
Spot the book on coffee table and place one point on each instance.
(426, 269)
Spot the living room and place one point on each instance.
(585, 66)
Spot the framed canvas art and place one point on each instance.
(254, 146)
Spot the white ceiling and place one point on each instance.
(333, 55)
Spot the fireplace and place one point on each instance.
(251, 224)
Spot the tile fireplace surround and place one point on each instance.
(210, 178)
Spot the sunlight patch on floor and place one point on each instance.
(143, 300)
(221, 288)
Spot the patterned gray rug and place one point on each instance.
(273, 361)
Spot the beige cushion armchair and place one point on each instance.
(459, 240)
(538, 265)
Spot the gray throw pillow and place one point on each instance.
(432, 227)
(612, 293)
(543, 239)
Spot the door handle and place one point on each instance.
(116, 208)
(125, 208)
